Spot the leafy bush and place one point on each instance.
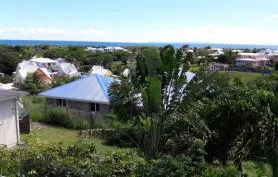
(60, 117)
(6, 79)
(170, 166)
(9, 162)
(35, 107)
(79, 160)
(33, 85)
(229, 171)
(81, 149)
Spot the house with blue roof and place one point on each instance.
(87, 96)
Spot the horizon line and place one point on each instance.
(138, 42)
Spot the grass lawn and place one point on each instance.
(244, 76)
(65, 137)
(194, 68)
(256, 169)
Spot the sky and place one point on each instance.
(213, 21)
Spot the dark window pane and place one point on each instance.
(97, 107)
(59, 102)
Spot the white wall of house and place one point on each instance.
(8, 124)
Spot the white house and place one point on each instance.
(48, 66)
(10, 110)
(216, 51)
(67, 69)
(45, 63)
(23, 69)
(97, 69)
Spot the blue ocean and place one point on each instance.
(125, 44)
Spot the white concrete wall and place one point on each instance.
(8, 126)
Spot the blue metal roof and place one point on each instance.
(92, 88)
(189, 76)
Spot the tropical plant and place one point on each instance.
(151, 94)
(261, 133)
(33, 85)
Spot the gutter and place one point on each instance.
(17, 123)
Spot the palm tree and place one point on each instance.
(151, 94)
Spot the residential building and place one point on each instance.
(87, 96)
(61, 60)
(274, 58)
(107, 49)
(11, 111)
(47, 63)
(44, 67)
(218, 67)
(23, 69)
(252, 60)
(43, 76)
(67, 69)
(97, 69)
(217, 51)
(250, 55)
(237, 51)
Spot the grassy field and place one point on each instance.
(194, 68)
(65, 137)
(244, 76)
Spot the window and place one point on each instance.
(94, 107)
(61, 102)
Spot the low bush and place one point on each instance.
(180, 166)
(6, 79)
(35, 107)
(79, 160)
(40, 158)
(228, 171)
(60, 117)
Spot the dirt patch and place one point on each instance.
(38, 125)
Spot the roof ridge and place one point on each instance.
(103, 88)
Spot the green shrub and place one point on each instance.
(82, 150)
(60, 117)
(9, 162)
(35, 107)
(79, 160)
(6, 79)
(170, 166)
(229, 171)
(36, 116)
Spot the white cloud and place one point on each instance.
(271, 18)
(205, 33)
(217, 34)
(54, 34)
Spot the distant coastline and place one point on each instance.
(126, 44)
